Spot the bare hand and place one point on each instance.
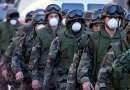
(36, 84)
(97, 87)
(87, 86)
(19, 76)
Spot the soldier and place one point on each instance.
(126, 40)
(7, 28)
(90, 61)
(114, 71)
(22, 51)
(39, 19)
(64, 14)
(29, 16)
(11, 46)
(42, 43)
(7, 31)
(96, 23)
(62, 50)
(88, 18)
(20, 57)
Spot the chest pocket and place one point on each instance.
(6, 37)
(8, 34)
(46, 39)
(67, 49)
(28, 45)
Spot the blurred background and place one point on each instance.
(25, 6)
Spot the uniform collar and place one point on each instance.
(106, 35)
(50, 30)
(69, 34)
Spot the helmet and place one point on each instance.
(29, 16)
(39, 16)
(113, 10)
(65, 12)
(52, 8)
(96, 17)
(12, 13)
(127, 17)
(40, 11)
(75, 15)
(88, 15)
(126, 22)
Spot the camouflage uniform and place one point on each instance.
(62, 50)
(7, 31)
(61, 56)
(113, 75)
(72, 82)
(40, 51)
(43, 41)
(22, 51)
(98, 45)
(21, 55)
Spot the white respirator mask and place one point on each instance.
(53, 22)
(38, 27)
(76, 27)
(113, 24)
(13, 22)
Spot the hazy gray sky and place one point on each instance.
(27, 5)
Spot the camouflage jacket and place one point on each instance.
(6, 33)
(40, 50)
(62, 51)
(7, 40)
(112, 73)
(90, 61)
(23, 46)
